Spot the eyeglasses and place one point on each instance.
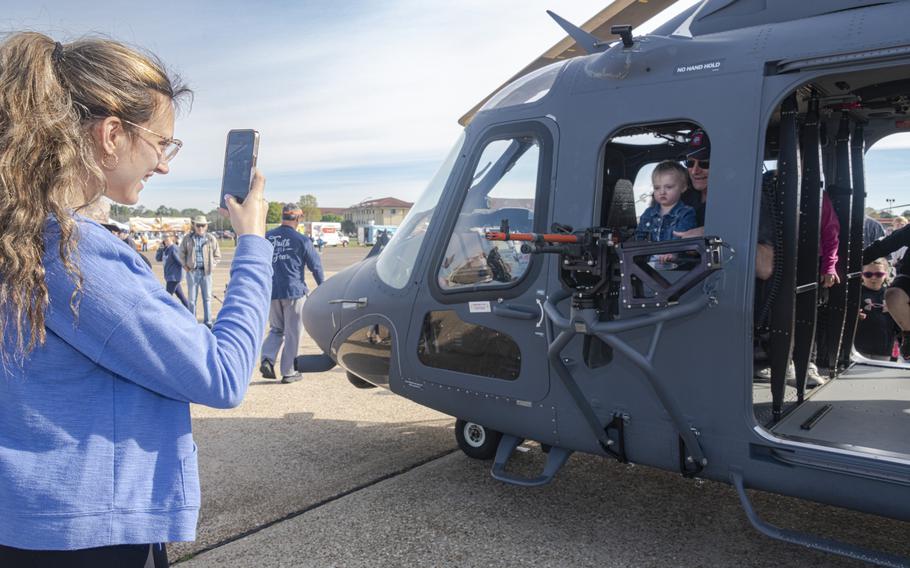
(171, 147)
(874, 274)
(703, 164)
(198, 226)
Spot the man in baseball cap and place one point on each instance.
(291, 212)
(292, 252)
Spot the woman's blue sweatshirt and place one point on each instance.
(96, 446)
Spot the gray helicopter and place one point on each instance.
(516, 297)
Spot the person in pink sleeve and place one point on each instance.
(829, 240)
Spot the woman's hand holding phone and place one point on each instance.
(248, 218)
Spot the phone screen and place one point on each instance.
(239, 161)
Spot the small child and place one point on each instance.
(666, 213)
(876, 331)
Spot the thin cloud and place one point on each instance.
(362, 87)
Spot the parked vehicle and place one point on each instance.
(330, 232)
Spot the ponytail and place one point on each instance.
(50, 94)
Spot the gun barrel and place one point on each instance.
(531, 237)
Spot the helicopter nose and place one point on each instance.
(321, 317)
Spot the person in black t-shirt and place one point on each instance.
(876, 330)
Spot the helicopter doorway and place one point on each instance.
(815, 157)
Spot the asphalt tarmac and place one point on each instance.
(319, 473)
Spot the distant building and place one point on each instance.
(510, 202)
(384, 211)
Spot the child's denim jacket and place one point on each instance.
(654, 227)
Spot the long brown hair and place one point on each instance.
(50, 94)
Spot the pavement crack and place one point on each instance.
(317, 505)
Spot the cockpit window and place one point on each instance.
(502, 189)
(528, 89)
(396, 262)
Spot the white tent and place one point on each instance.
(120, 226)
(159, 224)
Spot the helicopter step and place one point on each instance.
(811, 541)
(313, 363)
(556, 458)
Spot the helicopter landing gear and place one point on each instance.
(476, 441)
(358, 382)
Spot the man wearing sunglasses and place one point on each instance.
(698, 163)
(199, 254)
(897, 297)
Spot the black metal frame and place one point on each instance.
(782, 317)
(808, 246)
(634, 263)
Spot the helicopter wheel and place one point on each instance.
(476, 441)
(358, 382)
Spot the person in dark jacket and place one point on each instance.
(173, 270)
(897, 298)
(872, 231)
(292, 252)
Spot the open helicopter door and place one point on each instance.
(477, 344)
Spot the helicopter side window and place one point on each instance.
(448, 342)
(503, 189)
(654, 189)
(630, 158)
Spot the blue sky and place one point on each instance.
(353, 99)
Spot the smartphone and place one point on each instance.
(239, 161)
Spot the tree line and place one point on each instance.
(885, 213)
(308, 204)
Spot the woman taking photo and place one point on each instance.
(99, 364)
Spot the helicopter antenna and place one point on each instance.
(586, 41)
